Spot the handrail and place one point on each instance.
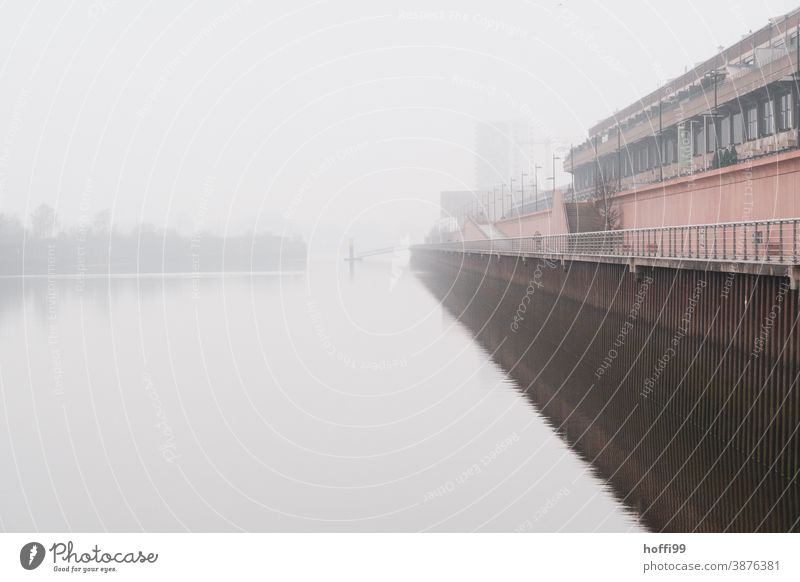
(762, 241)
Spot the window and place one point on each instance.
(712, 134)
(752, 122)
(699, 139)
(724, 132)
(785, 112)
(738, 127)
(666, 150)
(768, 117)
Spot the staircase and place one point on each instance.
(490, 231)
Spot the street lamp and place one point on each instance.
(536, 186)
(572, 168)
(715, 75)
(555, 157)
(522, 176)
(511, 195)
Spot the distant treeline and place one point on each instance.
(96, 248)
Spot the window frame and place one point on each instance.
(784, 113)
(767, 118)
(699, 141)
(751, 123)
(711, 135)
(725, 133)
(738, 128)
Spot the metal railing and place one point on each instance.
(766, 241)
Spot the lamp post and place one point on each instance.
(555, 157)
(572, 169)
(511, 196)
(619, 157)
(536, 186)
(660, 141)
(522, 176)
(715, 75)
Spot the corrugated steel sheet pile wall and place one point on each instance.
(679, 386)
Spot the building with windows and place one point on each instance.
(733, 109)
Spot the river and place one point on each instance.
(334, 399)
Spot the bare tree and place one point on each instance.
(44, 221)
(603, 200)
(101, 223)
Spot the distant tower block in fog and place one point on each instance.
(503, 149)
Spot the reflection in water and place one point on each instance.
(676, 475)
(320, 401)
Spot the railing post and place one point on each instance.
(696, 242)
(714, 254)
(683, 242)
(744, 257)
(671, 242)
(724, 242)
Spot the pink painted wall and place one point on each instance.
(471, 231)
(544, 221)
(753, 190)
(759, 189)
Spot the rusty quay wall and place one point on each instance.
(679, 386)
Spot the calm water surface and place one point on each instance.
(327, 400)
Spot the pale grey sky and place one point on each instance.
(326, 119)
